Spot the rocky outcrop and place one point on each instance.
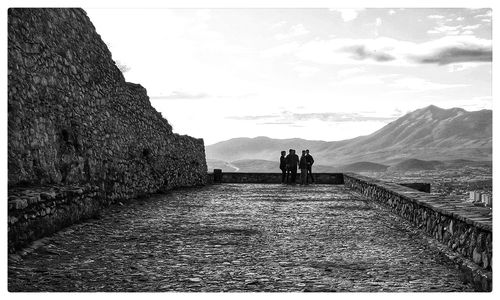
(73, 120)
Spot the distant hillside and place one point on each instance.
(266, 166)
(258, 166)
(416, 164)
(258, 148)
(430, 133)
(219, 164)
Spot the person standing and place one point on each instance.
(293, 161)
(288, 164)
(283, 166)
(303, 168)
(310, 162)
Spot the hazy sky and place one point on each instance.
(322, 74)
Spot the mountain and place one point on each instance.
(220, 164)
(416, 164)
(258, 148)
(430, 133)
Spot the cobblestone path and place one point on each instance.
(239, 237)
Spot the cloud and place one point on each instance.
(276, 123)
(361, 52)
(471, 27)
(383, 50)
(295, 31)
(337, 117)
(458, 67)
(450, 50)
(252, 118)
(485, 16)
(435, 17)
(182, 95)
(453, 30)
(347, 14)
(289, 118)
(349, 51)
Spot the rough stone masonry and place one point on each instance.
(77, 131)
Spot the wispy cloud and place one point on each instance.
(485, 16)
(182, 95)
(252, 118)
(347, 14)
(383, 50)
(436, 17)
(337, 117)
(361, 52)
(287, 117)
(450, 50)
(454, 30)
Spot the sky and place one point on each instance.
(318, 74)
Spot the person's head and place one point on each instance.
(290, 151)
(303, 152)
(283, 153)
(307, 151)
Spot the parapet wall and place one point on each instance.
(462, 227)
(320, 178)
(73, 120)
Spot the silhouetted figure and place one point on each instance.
(287, 164)
(283, 166)
(292, 160)
(303, 168)
(310, 162)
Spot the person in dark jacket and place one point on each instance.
(292, 160)
(310, 162)
(287, 164)
(283, 166)
(303, 168)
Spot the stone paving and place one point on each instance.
(239, 237)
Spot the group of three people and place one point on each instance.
(289, 163)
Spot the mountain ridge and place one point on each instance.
(429, 133)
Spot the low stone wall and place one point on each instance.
(462, 227)
(320, 178)
(38, 212)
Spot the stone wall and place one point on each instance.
(462, 227)
(73, 120)
(236, 177)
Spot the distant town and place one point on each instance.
(469, 183)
